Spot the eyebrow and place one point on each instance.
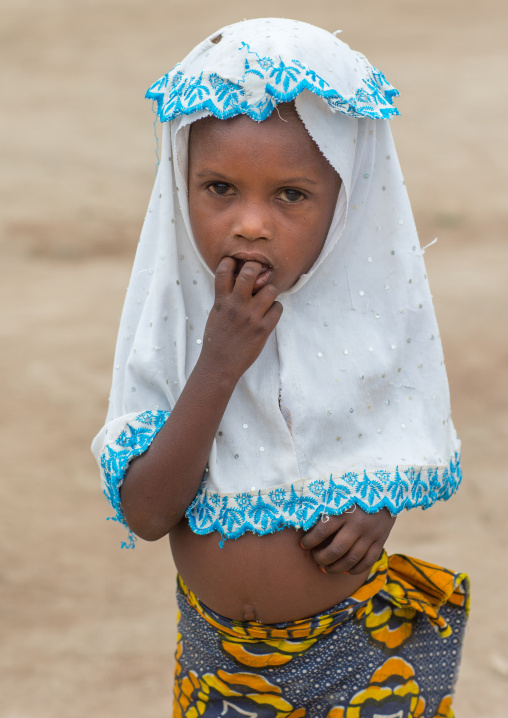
(207, 173)
(287, 180)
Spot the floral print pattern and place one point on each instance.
(368, 657)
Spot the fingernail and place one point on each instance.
(302, 546)
(322, 569)
(346, 573)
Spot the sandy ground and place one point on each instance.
(88, 629)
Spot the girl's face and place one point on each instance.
(260, 191)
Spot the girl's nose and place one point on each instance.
(252, 221)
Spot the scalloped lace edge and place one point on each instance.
(302, 504)
(299, 505)
(133, 441)
(266, 83)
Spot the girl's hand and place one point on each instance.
(349, 543)
(240, 322)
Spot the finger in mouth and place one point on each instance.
(241, 262)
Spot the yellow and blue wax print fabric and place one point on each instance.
(391, 650)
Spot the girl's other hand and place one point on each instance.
(240, 320)
(349, 543)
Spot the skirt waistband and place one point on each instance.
(407, 583)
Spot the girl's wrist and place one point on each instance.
(217, 373)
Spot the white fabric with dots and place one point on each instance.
(355, 361)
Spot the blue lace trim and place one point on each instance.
(299, 505)
(177, 94)
(302, 504)
(133, 441)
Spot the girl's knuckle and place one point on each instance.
(232, 313)
(248, 272)
(369, 562)
(320, 531)
(337, 551)
(221, 272)
(352, 559)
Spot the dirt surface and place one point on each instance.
(87, 629)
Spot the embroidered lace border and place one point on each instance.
(266, 82)
(300, 504)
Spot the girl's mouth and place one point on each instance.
(263, 277)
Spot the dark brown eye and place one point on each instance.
(292, 195)
(220, 188)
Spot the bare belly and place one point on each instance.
(270, 579)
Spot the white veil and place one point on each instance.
(355, 361)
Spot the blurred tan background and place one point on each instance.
(87, 630)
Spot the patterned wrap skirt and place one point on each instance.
(391, 650)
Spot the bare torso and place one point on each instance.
(270, 578)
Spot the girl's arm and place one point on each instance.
(161, 483)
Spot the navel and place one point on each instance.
(249, 613)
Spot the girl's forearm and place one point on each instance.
(161, 483)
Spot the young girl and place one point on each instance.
(279, 393)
